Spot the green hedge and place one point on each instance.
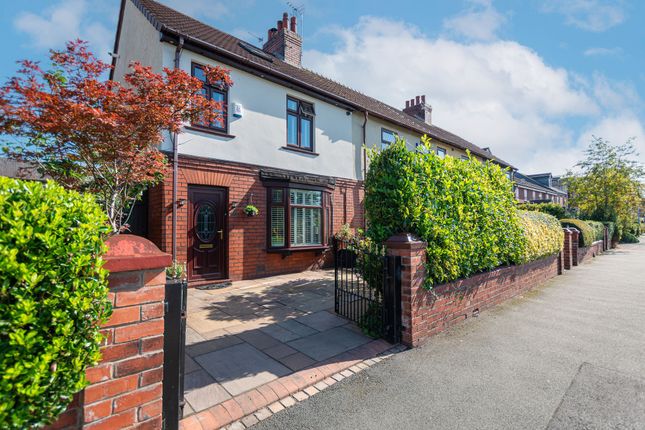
(587, 233)
(543, 233)
(465, 210)
(549, 208)
(598, 228)
(53, 296)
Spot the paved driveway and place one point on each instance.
(569, 355)
(254, 332)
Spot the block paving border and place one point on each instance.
(251, 407)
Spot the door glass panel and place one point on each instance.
(205, 223)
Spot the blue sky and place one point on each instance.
(531, 79)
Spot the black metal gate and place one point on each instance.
(174, 348)
(368, 289)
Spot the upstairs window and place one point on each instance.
(441, 152)
(388, 137)
(219, 93)
(300, 124)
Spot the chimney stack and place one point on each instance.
(418, 108)
(284, 42)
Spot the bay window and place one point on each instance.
(298, 218)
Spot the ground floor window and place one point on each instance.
(298, 218)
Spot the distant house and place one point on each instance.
(20, 169)
(291, 143)
(540, 188)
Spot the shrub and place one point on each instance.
(464, 210)
(543, 233)
(630, 237)
(587, 233)
(549, 208)
(598, 228)
(53, 296)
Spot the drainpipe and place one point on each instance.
(365, 160)
(175, 165)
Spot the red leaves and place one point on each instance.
(105, 134)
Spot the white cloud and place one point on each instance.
(617, 129)
(590, 15)
(599, 51)
(499, 94)
(479, 22)
(64, 21)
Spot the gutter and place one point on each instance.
(175, 164)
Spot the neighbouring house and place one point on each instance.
(20, 169)
(291, 144)
(540, 188)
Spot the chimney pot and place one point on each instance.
(407, 104)
(418, 100)
(285, 20)
(293, 24)
(279, 25)
(423, 99)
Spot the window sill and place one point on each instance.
(208, 131)
(299, 150)
(289, 251)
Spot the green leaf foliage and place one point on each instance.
(543, 233)
(587, 233)
(549, 208)
(53, 296)
(464, 209)
(598, 229)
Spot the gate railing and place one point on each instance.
(368, 288)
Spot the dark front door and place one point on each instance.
(207, 233)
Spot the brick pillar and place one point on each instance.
(125, 388)
(605, 239)
(575, 238)
(413, 256)
(566, 252)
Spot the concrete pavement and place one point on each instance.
(568, 355)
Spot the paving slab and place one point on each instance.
(324, 345)
(240, 368)
(322, 321)
(201, 390)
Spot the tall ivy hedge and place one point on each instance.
(53, 296)
(598, 229)
(463, 209)
(543, 233)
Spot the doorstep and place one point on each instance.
(248, 408)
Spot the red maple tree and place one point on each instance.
(97, 135)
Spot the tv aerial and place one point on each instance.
(299, 11)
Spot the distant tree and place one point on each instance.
(97, 135)
(608, 185)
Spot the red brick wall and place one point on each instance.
(426, 313)
(247, 256)
(125, 388)
(590, 251)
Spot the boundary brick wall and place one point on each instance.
(247, 256)
(426, 313)
(592, 251)
(125, 390)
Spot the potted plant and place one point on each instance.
(251, 210)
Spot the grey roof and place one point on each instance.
(170, 22)
(527, 181)
(20, 169)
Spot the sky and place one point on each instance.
(533, 80)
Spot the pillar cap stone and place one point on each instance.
(128, 252)
(405, 241)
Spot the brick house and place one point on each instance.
(540, 188)
(291, 144)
